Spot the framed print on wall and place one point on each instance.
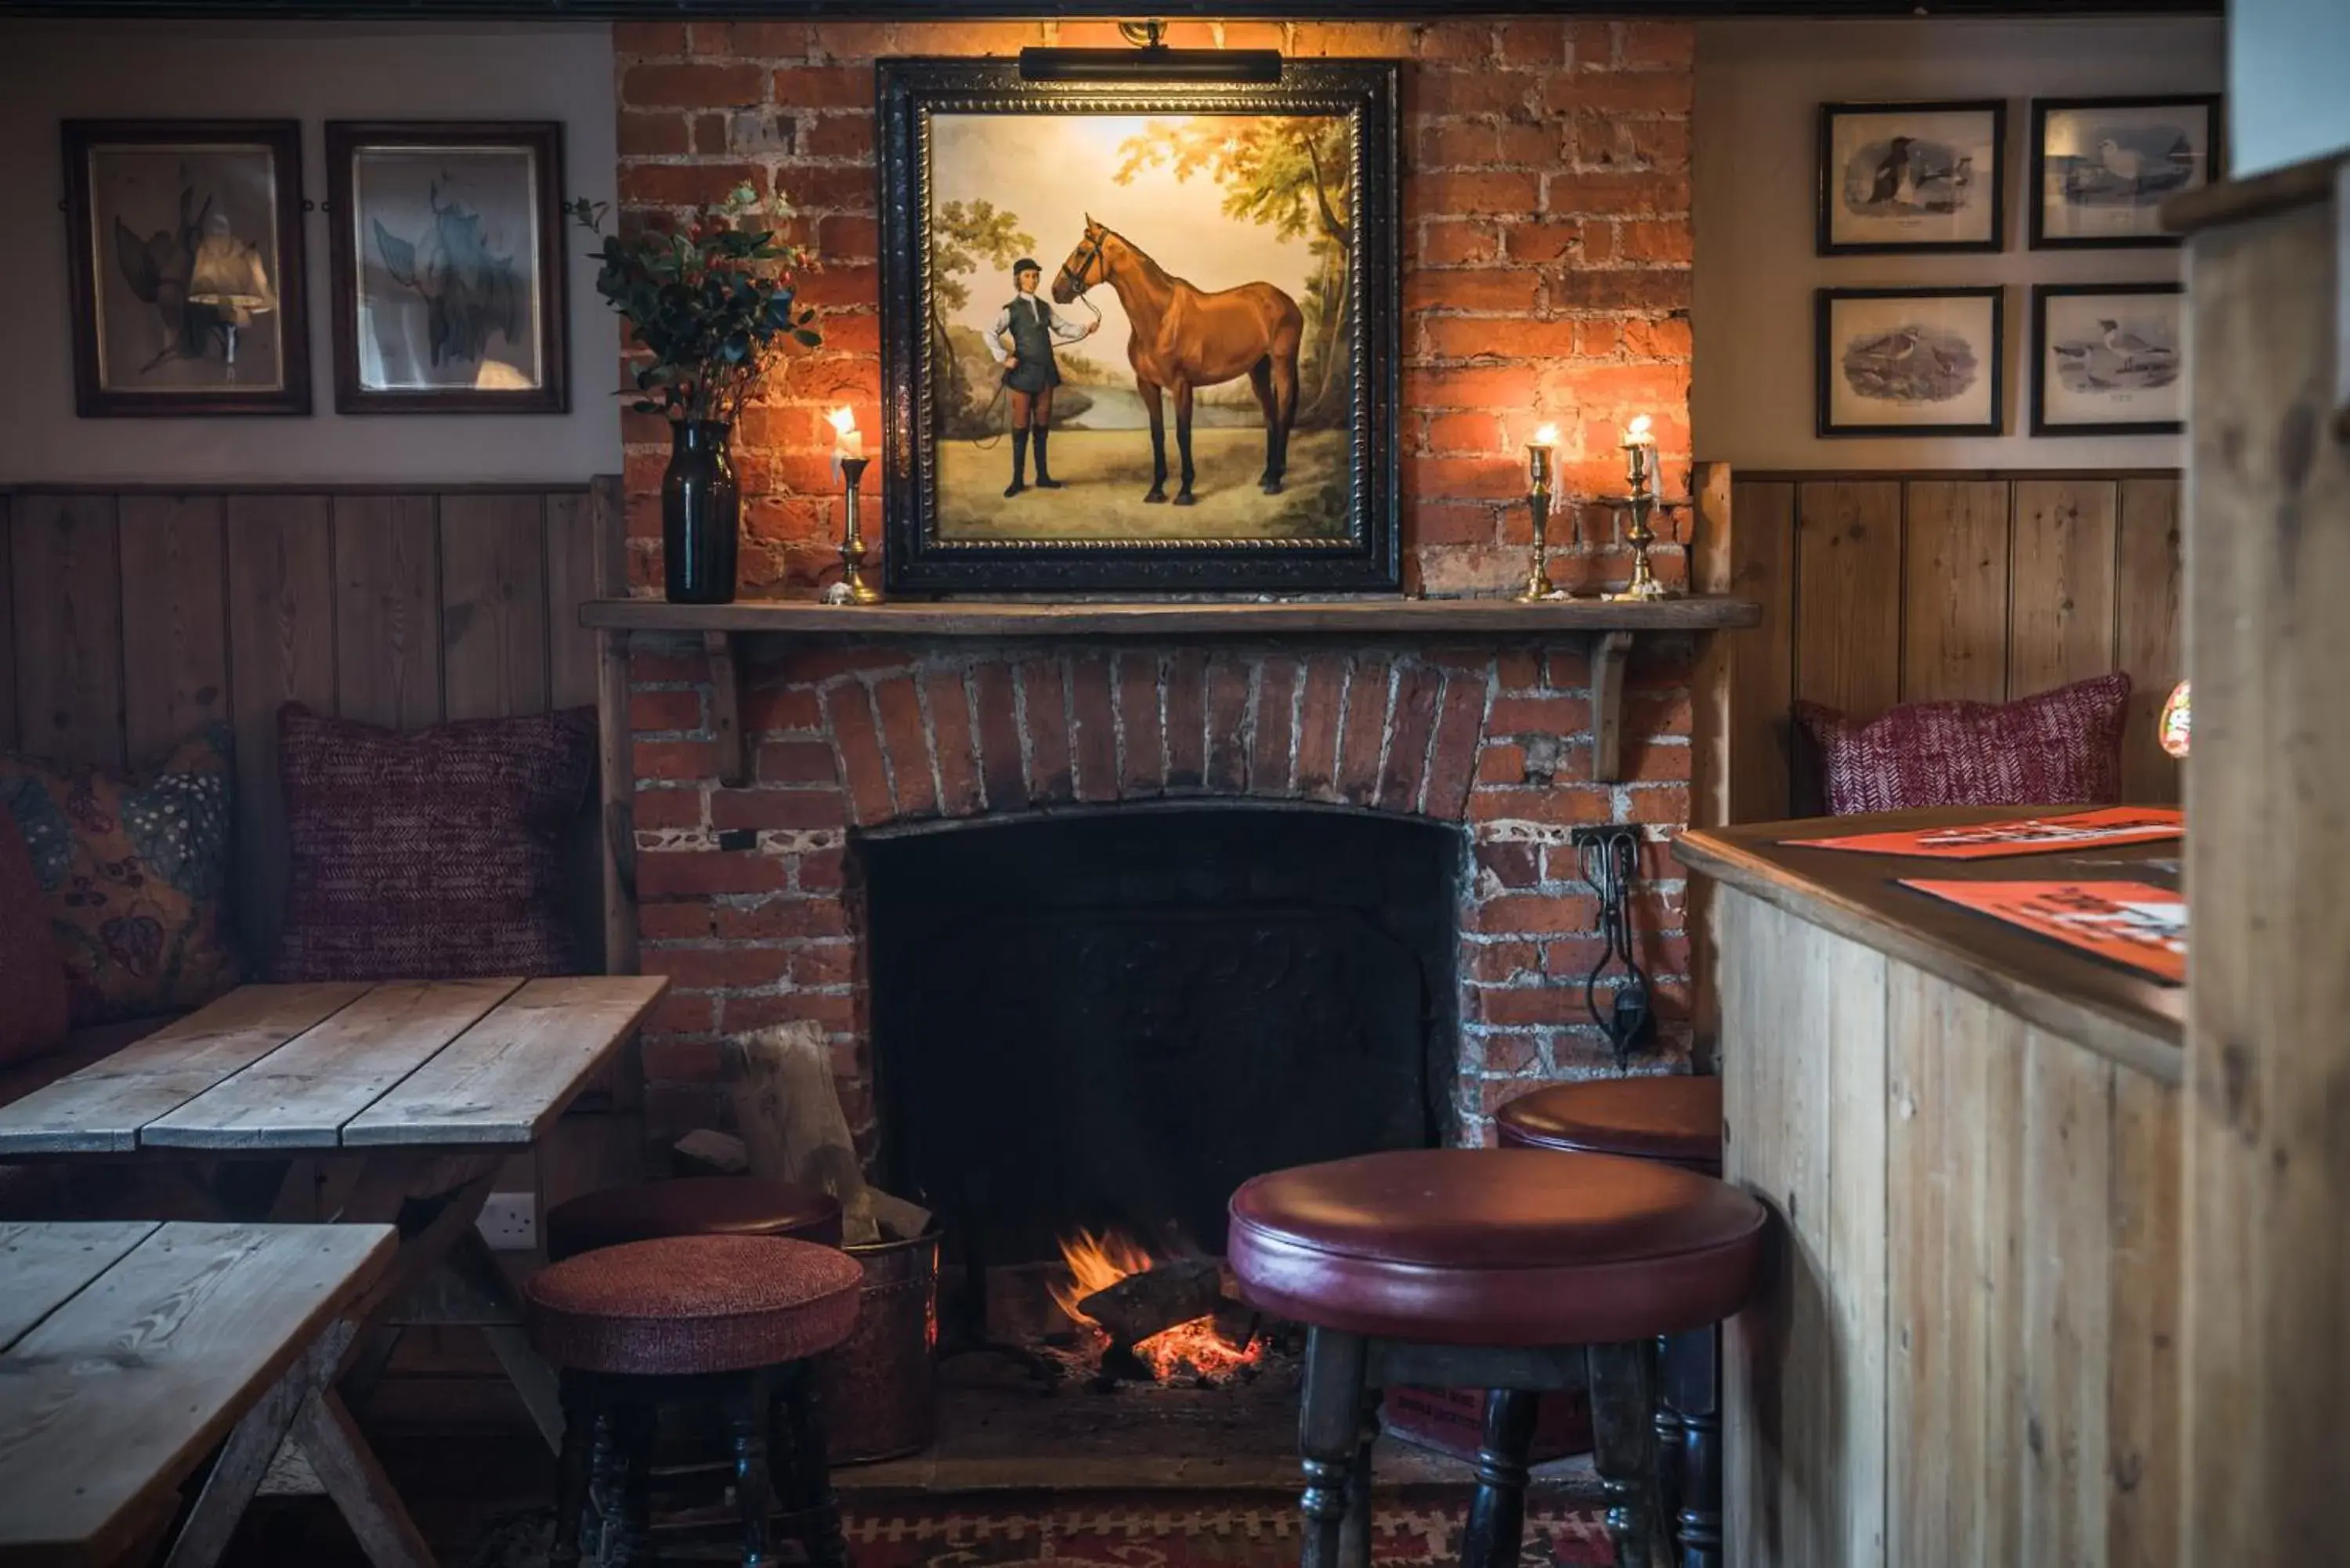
(1919, 177)
(186, 268)
(2102, 167)
(1909, 361)
(1139, 336)
(2106, 359)
(448, 266)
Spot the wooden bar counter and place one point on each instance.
(1966, 1351)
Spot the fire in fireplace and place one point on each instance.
(1091, 1028)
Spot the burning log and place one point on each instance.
(1141, 1305)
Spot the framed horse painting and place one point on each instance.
(1138, 336)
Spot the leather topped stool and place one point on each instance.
(726, 1320)
(1677, 1121)
(692, 1206)
(1509, 1270)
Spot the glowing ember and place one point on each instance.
(1097, 1263)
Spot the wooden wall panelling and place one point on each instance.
(281, 596)
(1963, 1352)
(2267, 1125)
(174, 622)
(2147, 640)
(493, 620)
(1954, 592)
(1848, 599)
(8, 662)
(2061, 616)
(67, 581)
(1763, 672)
(570, 579)
(388, 610)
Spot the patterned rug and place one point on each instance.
(1417, 1527)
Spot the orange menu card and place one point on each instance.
(2133, 924)
(2017, 836)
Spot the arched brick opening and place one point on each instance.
(746, 897)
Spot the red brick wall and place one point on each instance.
(1546, 258)
(1546, 276)
(749, 898)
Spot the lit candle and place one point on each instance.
(1538, 452)
(847, 440)
(1637, 443)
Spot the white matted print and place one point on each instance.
(1909, 361)
(2108, 359)
(2102, 168)
(1911, 177)
(448, 267)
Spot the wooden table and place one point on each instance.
(412, 1094)
(1969, 1135)
(129, 1350)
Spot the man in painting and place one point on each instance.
(1022, 341)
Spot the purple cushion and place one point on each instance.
(2057, 748)
(433, 853)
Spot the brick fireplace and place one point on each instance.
(1546, 277)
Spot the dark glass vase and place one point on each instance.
(702, 516)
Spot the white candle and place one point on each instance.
(1637, 433)
(847, 440)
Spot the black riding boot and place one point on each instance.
(1044, 480)
(1020, 462)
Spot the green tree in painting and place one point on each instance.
(1294, 172)
(965, 236)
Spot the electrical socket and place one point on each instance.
(509, 1221)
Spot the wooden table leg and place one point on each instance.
(252, 1444)
(347, 1468)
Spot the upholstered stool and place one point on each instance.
(692, 1206)
(1676, 1120)
(727, 1320)
(1509, 1270)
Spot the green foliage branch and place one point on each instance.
(710, 299)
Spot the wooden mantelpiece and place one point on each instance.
(1610, 626)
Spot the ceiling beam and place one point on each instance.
(946, 10)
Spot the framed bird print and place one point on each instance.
(186, 267)
(446, 240)
(1909, 361)
(1912, 177)
(1139, 336)
(2106, 359)
(2102, 167)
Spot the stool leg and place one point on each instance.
(807, 1481)
(1692, 1365)
(750, 1414)
(1354, 1531)
(571, 1483)
(1497, 1513)
(1623, 1435)
(627, 1486)
(1329, 1425)
(1666, 1451)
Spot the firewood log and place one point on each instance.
(1141, 1305)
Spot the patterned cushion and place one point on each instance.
(32, 976)
(2058, 748)
(694, 1303)
(134, 872)
(436, 852)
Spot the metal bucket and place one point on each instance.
(879, 1387)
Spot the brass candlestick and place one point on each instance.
(1538, 584)
(852, 589)
(1640, 502)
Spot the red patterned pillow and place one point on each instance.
(32, 970)
(2058, 748)
(433, 853)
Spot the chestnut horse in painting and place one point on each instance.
(1185, 338)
